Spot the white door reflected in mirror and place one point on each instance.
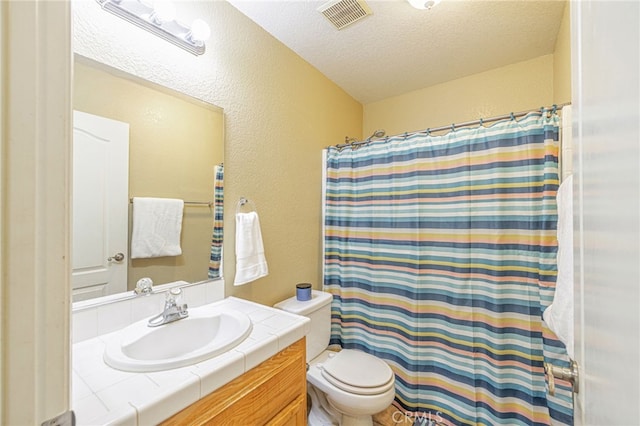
(100, 206)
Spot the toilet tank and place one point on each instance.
(318, 309)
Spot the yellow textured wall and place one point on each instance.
(174, 144)
(280, 112)
(562, 60)
(516, 87)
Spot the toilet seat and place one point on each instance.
(358, 373)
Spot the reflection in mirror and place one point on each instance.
(174, 144)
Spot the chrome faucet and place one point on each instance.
(174, 309)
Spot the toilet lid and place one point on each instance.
(358, 372)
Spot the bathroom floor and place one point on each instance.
(392, 416)
(389, 417)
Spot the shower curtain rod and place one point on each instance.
(454, 125)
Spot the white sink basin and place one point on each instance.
(208, 331)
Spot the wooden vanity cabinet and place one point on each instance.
(273, 393)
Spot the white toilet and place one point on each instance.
(347, 387)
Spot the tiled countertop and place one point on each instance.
(105, 396)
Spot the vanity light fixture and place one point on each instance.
(423, 4)
(159, 18)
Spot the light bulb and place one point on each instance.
(423, 4)
(163, 11)
(200, 30)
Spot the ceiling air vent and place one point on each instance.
(342, 13)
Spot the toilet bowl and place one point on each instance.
(347, 387)
(354, 383)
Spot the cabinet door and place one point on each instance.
(273, 393)
(294, 414)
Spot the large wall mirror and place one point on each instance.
(174, 143)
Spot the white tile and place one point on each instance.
(290, 335)
(278, 322)
(256, 352)
(248, 306)
(87, 357)
(239, 304)
(291, 316)
(88, 409)
(137, 386)
(168, 378)
(249, 341)
(108, 337)
(214, 291)
(84, 325)
(144, 307)
(104, 378)
(125, 415)
(195, 295)
(218, 371)
(114, 316)
(79, 388)
(261, 314)
(169, 401)
(259, 332)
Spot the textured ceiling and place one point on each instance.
(399, 49)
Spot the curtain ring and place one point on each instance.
(453, 127)
(513, 117)
(555, 109)
(481, 122)
(428, 132)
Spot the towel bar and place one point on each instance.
(196, 203)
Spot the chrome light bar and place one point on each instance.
(145, 16)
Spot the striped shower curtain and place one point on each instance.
(215, 255)
(440, 252)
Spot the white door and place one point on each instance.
(100, 206)
(605, 45)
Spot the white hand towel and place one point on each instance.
(251, 263)
(157, 224)
(559, 315)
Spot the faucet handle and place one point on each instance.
(144, 286)
(174, 296)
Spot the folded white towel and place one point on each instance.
(157, 223)
(559, 315)
(251, 263)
